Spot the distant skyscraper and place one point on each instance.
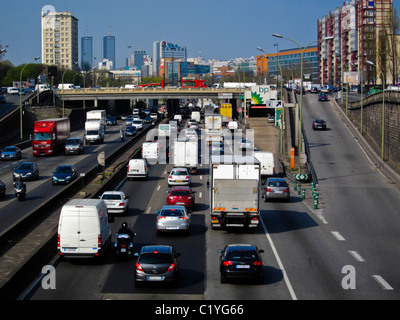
(86, 53)
(139, 57)
(59, 38)
(109, 49)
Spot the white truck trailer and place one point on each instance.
(94, 132)
(234, 192)
(213, 128)
(185, 154)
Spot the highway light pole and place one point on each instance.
(20, 97)
(383, 111)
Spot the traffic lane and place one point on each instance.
(273, 287)
(353, 193)
(12, 103)
(89, 279)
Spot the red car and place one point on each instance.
(181, 195)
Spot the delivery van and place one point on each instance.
(84, 229)
(137, 168)
(267, 162)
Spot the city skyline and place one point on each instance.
(220, 30)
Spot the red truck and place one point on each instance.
(49, 136)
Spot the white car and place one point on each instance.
(138, 124)
(153, 115)
(246, 144)
(116, 201)
(179, 177)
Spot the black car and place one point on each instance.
(3, 99)
(2, 189)
(26, 171)
(130, 130)
(112, 121)
(319, 124)
(64, 174)
(241, 261)
(148, 119)
(314, 90)
(157, 264)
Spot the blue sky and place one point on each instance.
(220, 29)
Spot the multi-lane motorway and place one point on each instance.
(346, 249)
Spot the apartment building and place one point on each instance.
(355, 32)
(59, 39)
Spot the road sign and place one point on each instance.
(240, 109)
(101, 158)
(301, 177)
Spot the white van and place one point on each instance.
(84, 230)
(266, 159)
(66, 86)
(150, 151)
(137, 168)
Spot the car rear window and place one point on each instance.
(172, 213)
(155, 258)
(277, 184)
(179, 173)
(242, 255)
(111, 197)
(180, 193)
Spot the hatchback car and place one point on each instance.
(138, 124)
(154, 115)
(2, 189)
(157, 263)
(322, 97)
(11, 153)
(217, 148)
(246, 144)
(181, 195)
(241, 261)
(116, 201)
(319, 124)
(130, 131)
(26, 171)
(276, 188)
(173, 218)
(64, 174)
(129, 121)
(179, 177)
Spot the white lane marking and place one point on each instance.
(158, 188)
(201, 177)
(356, 256)
(285, 277)
(318, 212)
(382, 282)
(338, 236)
(200, 194)
(148, 210)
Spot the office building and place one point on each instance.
(355, 31)
(290, 61)
(165, 50)
(59, 39)
(109, 50)
(86, 53)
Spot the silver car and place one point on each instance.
(173, 218)
(179, 177)
(276, 188)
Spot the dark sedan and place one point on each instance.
(319, 124)
(130, 131)
(157, 264)
(241, 261)
(64, 174)
(322, 97)
(11, 153)
(26, 171)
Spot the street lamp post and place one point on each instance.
(20, 96)
(383, 112)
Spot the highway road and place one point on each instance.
(344, 250)
(41, 190)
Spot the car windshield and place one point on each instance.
(137, 122)
(111, 197)
(242, 255)
(155, 258)
(172, 213)
(180, 193)
(10, 149)
(72, 141)
(24, 166)
(42, 136)
(63, 170)
(277, 184)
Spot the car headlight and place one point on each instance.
(67, 178)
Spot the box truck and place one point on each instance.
(49, 136)
(234, 192)
(84, 229)
(213, 128)
(96, 115)
(267, 162)
(184, 154)
(94, 132)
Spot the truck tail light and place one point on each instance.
(58, 242)
(99, 242)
